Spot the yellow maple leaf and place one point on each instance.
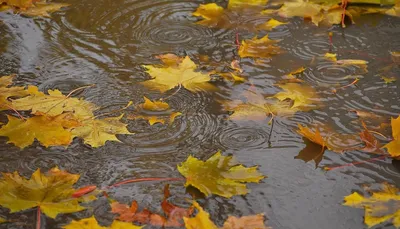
(304, 97)
(48, 130)
(43, 9)
(202, 221)
(380, 207)
(388, 80)
(184, 74)
(95, 132)
(91, 223)
(243, 15)
(393, 147)
(7, 92)
(51, 192)
(220, 175)
(262, 48)
(55, 103)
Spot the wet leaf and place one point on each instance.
(388, 79)
(202, 221)
(235, 65)
(395, 57)
(154, 105)
(166, 78)
(259, 48)
(371, 143)
(231, 77)
(393, 147)
(174, 214)
(220, 175)
(23, 4)
(91, 223)
(303, 96)
(43, 9)
(380, 207)
(96, 132)
(55, 103)
(48, 130)
(241, 15)
(2, 220)
(52, 192)
(6, 92)
(395, 10)
(362, 64)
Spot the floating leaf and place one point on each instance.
(380, 207)
(48, 130)
(303, 96)
(262, 48)
(91, 223)
(168, 77)
(388, 79)
(7, 92)
(371, 143)
(220, 175)
(200, 221)
(55, 103)
(393, 147)
(52, 192)
(174, 213)
(2, 220)
(95, 132)
(43, 9)
(242, 15)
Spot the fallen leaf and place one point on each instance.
(2, 220)
(371, 143)
(395, 57)
(52, 192)
(168, 77)
(170, 60)
(303, 96)
(240, 15)
(174, 214)
(48, 130)
(200, 221)
(235, 65)
(91, 223)
(43, 9)
(393, 147)
(55, 103)
(388, 79)
(380, 207)
(261, 48)
(220, 175)
(395, 10)
(231, 77)
(362, 64)
(7, 92)
(95, 132)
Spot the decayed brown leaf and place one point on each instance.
(371, 143)
(174, 213)
(242, 15)
(259, 48)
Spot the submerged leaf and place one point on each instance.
(262, 48)
(220, 175)
(166, 78)
(95, 132)
(380, 207)
(393, 147)
(303, 96)
(48, 130)
(52, 192)
(91, 223)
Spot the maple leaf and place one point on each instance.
(371, 143)
(380, 207)
(393, 147)
(91, 223)
(395, 10)
(95, 132)
(43, 9)
(262, 48)
(55, 103)
(303, 96)
(168, 77)
(202, 221)
(174, 213)
(159, 112)
(220, 175)
(316, 144)
(242, 15)
(7, 92)
(388, 80)
(51, 192)
(48, 130)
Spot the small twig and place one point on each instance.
(112, 112)
(175, 92)
(79, 88)
(19, 115)
(38, 216)
(356, 163)
(145, 179)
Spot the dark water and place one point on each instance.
(105, 42)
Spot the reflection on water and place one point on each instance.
(105, 43)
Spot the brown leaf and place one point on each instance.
(371, 143)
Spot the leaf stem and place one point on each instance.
(113, 111)
(38, 216)
(145, 179)
(19, 115)
(175, 92)
(79, 88)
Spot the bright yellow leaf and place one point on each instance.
(91, 223)
(303, 96)
(52, 192)
(200, 221)
(262, 48)
(95, 132)
(43, 9)
(270, 24)
(55, 103)
(380, 207)
(220, 175)
(166, 78)
(246, 3)
(388, 79)
(154, 105)
(393, 147)
(6, 91)
(48, 130)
